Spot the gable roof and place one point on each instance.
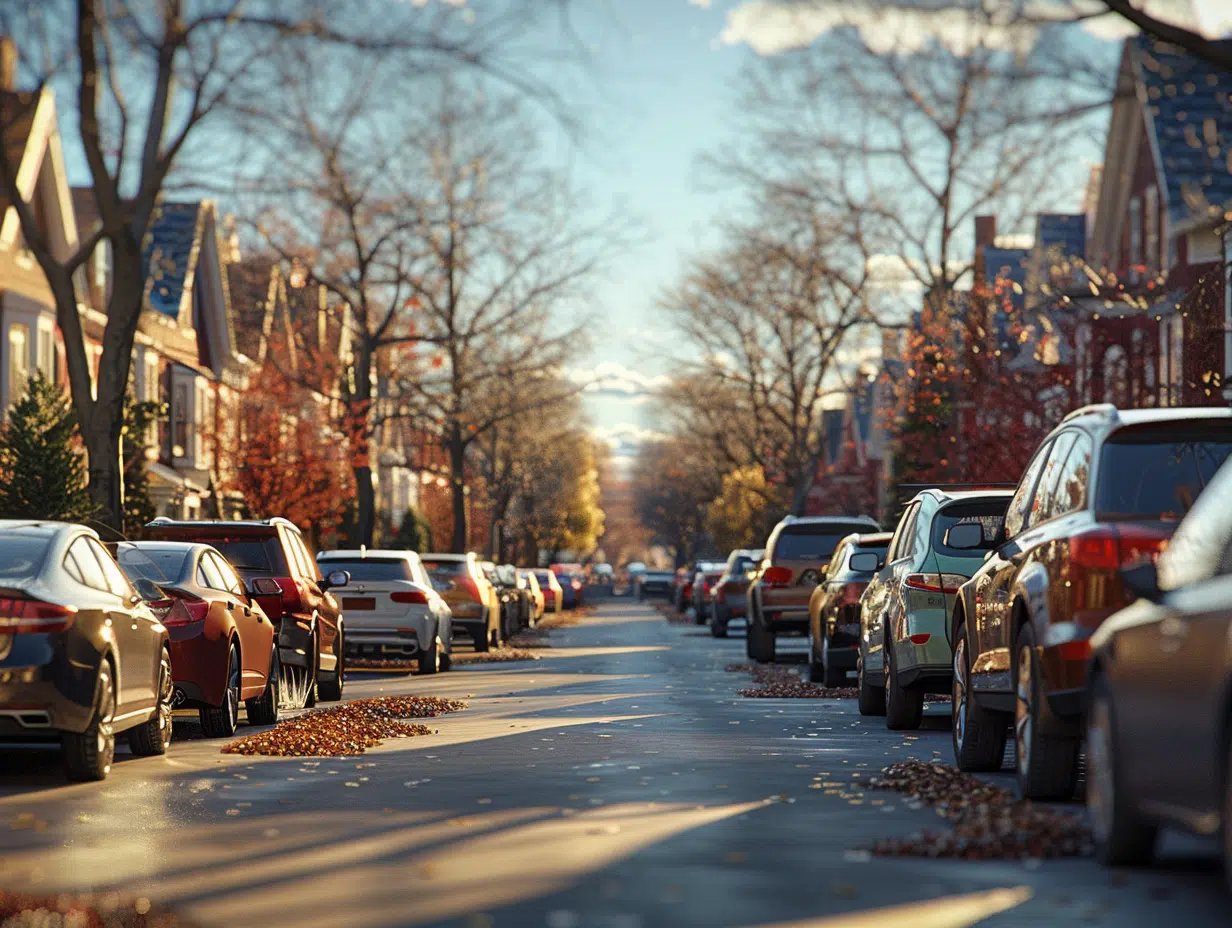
(1188, 105)
(17, 112)
(253, 283)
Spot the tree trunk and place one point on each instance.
(365, 500)
(457, 465)
(359, 412)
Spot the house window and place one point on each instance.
(19, 361)
(1116, 376)
(1151, 222)
(1135, 232)
(182, 431)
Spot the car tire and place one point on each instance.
(831, 676)
(446, 661)
(1122, 836)
(88, 755)
(760, 643)
(222, 721)
(265, 709)
(483, 643)
(817, 665)
(978, 735)
(904, 704)
(871, 700)
(1047, 765)
(718, 623)
(428, 661)
(152, 738)
(330, 685)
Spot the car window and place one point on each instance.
(22, 555)
(371, 569)
(231, 582)
(87, 565)
(1048, 482)
(307, 565)
(1069, 490)
(809, 542)
(158, 565)
(1017, 512)
(446, 568)
(117, 583)
(1201, 547)
(249, 553)
(906, 524)
(213, 577)
(1157, 473)
(988, 513)
(838, 560)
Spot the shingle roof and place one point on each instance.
(168, 251)
(249, 282)
(1190, 105)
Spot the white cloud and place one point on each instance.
(625, 437)
(704, 4)
(612, 377)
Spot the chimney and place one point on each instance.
(8, 63)
(985, 231)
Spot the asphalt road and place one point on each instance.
(617, 782)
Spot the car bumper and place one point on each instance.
(1064, 660)
(843, 637)
(842, 658)
(792, 618)
(42, 691)
(199, 656)
(734, 606)
(384, 642)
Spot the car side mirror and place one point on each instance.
(865, 562)
(964, 537)
(1142, 580)
(265, 586)
(336, 578)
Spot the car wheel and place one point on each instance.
(88, 755)
(264, 709)
(718, 623)
(904, 704)
(832, 676)
(817, 664)
(871, 699)
(330, 685)
(153, 737)
(428, 659)
(979, 735)
(1121, 836)
(446, 660)
(760, 643)
(221, 721)
(1047, 765)
(482, 642)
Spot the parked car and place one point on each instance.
(705, 575)
(682, 589)
(834, 606)
(222, 642)
(731, 590)
(311, 637)
(658, 583)
(529, 580)
(1105, 488)
(939, 543)
(525, 599)
(797, 554)
(93, 659)
(392, 608)
(472, 600)
(1160, 676)
(573, 590)
(553, 592)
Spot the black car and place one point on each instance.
(660, 583)
(834, 606)
(82, 657)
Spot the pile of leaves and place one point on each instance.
(344, 730)
(774, 681)
(495, 656)
(668, 611)
(989, 822)
(104, 910)
(563, 619)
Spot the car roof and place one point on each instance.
(1107, 413)
(874, 538)
(362, 553)
(956, 495)
(155, 544)
(445, 556)
(237, 526)
(823, 520)
(46, 529)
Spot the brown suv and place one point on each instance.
(272, 559)
(1104, 490)
(797, 555)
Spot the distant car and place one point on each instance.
(682, 589)
(659, 583)
(70, 624)
(797, 554)
(573, 590)
(705, 575)
(834, 606)
(311, 637)
(553, 592)
(530, 582)
(1157, 731)
(392, 607)
(731, 590)
(1105, 488)
(525, 600)
(940, 541)
(222, 642)
(473, 601)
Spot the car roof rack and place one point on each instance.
(273, 520)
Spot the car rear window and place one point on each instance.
(161, 565)
(812, 542)
(250, 554)
(990, 514)
(371, 569)
(544, 577)
(445, 568)
(1156, 474)
(22, 556)
(743, 565)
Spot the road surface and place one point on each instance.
(617, 782)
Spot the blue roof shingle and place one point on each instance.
(167, 251)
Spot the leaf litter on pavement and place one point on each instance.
(349, 729)
(774, 681)
(84, 911)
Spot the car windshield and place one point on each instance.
(811, 542)
(161, 565)
(990, 515)
(1156, 474)
(371, 569)
(22, 555)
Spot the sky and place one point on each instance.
(660, 91)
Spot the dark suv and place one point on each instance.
(271, 557)
(1104, 490)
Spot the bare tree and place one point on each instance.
(146, 79)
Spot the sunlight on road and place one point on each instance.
(945, 912)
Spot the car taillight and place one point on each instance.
(471, 587)
(776, 576)
(185, 611)
(705, 587)
(410, 596)
(576, 584)
(160, 607)
(1112, 548)
(18, 616)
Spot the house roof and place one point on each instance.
(250, 285)
(169, 250)
(17, 111)
(1188, 104)
(1065, 232)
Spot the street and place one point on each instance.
(617, 781)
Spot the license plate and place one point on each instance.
(358, 602)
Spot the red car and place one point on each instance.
(222, 642)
